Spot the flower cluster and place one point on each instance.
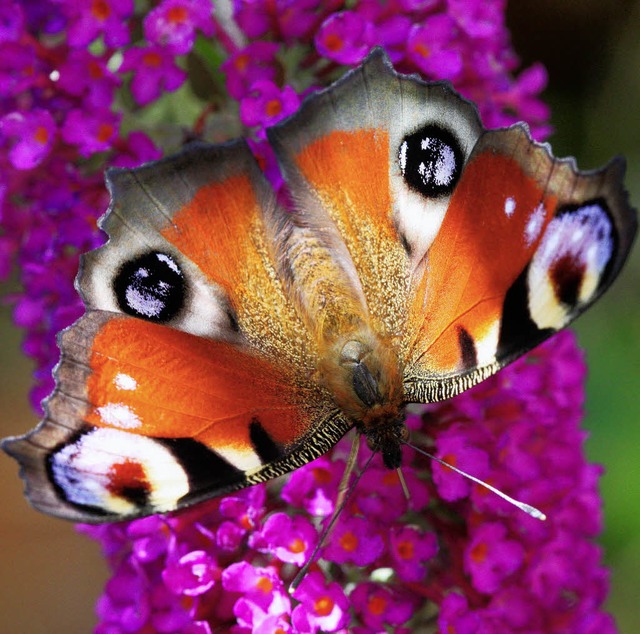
(85, 85)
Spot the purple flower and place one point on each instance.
(254, 17)
(455, 616)
(19, 68)
(193, 574)
(255, 62)
(313, 486)
(492, 557)
(154, 71)
(173, 24)
(478, 18)
(290, 539)
(11, 21)
(355, 540)
(136, 149)
(150, 539)
(433, 48)
(380, 607)
(391, 33)
(87, 76)
(32, 135)
(454, 447)
(90, 132)
(322, 606)
(299, 20)
(92, 18)
(261, 586)
(411, 549)
(266, 104)
(345, 37)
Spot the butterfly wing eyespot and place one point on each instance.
(150, 286)
(431, 161)
(570, 263)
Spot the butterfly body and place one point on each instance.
(228, 340)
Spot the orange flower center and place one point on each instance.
(41, 135)
(95, 71)
(450, 459)
(405, 550)
(105, 132)
(323, 606)
(296, 545)
(422, 50)
(321, 476)
(265, 584)
(377, 605)
(390, 478)
(152, 59)
(334, 42)
(349, 542)
(100, 9)
(479, 552)
(273, 107)
(177, 15)
(241, 62)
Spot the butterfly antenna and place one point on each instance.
(403, 483)
(527, 508)
(344, 495)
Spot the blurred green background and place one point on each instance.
(51, 577)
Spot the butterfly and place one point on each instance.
(228, 339)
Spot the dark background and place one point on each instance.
(51, 577)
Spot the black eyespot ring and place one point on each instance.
(431, 161)
(151, 287)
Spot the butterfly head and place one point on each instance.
(387, 438)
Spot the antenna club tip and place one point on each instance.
(533, 512)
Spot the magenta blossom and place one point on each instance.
(266, 104)
(88, 19)
(345, 37)
(31, 135)
(173, 24)
(154, 72)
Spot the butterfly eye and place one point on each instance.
(431, 161)
(150, 286)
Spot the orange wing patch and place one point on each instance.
(165, 383)
(349, 171)
(226, 213)
(236, 255)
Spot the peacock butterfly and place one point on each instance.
(228, 340)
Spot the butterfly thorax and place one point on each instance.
(364, 375)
